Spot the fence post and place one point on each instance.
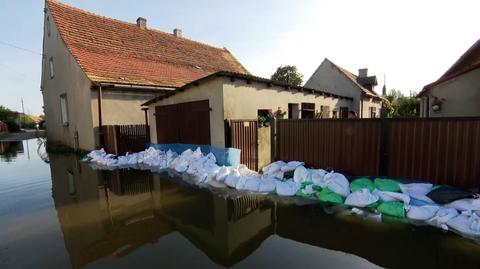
(115, 130)
(273, 139)
(383, 149)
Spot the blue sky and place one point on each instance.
(413, 42)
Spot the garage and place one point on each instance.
(187, 123)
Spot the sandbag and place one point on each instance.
(386, 184)
(222, 174)
(447, 194)
(302, 174)
(388, 196)
(422, 212)
(267, 184)
(241, 183)
(290, 166)
(418, 191)
(317, 175)
(287, 188)
(252, 183)
(394, 209)
(443, 215)
(361, 198)
(273, 167)
(337, 183)
(466, 224)
(362, 183)
(306, 191)
(465, 205)
(232, 179)
(328, 196)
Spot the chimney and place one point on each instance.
(177, 32)
(363, 72)
(142, 23)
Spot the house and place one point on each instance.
(457, 92)
(332, 78)
(197, 112)
(98, 71)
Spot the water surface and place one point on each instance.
(57, 212)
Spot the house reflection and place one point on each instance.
(9, 150)
(112, 213)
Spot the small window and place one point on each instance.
(64, 109)
(48, 26)
(308, 110)
(373, 112)
(334, 114)
(293, 111)
(324, 112)
(343, 112)
(52, 69)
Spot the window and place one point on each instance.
(308, 110)
(48, 26)
(64, 109)
(334, 114)
(52, 70)
(373, 112)
(293, 112)
(343, 112)
(324, 112)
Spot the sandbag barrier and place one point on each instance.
(444, 207)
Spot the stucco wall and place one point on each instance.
(367, 104)
(460, 96)
(69, 79)
(328, 78)
(211, 91)
(243, 100)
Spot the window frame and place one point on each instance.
(51, 68)
(64, 110)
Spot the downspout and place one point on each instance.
(361, 107)
(100, 125)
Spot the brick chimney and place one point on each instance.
(363, 72)
(142, 23)
(177, 32)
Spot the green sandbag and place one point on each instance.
(386, 184)
(326, 195)
(362, 183)
(394, 209)
(317, 188)
(301, 192)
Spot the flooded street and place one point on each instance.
(57, 212)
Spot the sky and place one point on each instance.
(411, 42)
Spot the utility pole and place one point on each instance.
(23, 114)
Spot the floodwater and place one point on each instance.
(56, 212)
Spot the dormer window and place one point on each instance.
(51, 68)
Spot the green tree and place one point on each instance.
(288, 74)
(6, 117)
(401, 105)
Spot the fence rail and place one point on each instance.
(120, 139)
(439, 150)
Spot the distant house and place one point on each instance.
(98, 71)
(332, 78)
(457, 92)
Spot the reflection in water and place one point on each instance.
(9, 150)
(111, 214)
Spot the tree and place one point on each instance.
(402, 106)
(288, 74)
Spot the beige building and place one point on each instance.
(98, 71)
(197, 112)
(332, 78)
(457, 92)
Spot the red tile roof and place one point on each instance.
(114, 51)
(469, 61)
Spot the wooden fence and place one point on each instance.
(120, 139)
(439, 150)
(244, 136)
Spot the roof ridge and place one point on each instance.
(55, 2)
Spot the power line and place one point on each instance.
(20, 48)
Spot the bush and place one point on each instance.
(12, 125)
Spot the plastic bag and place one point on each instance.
(466, 224)
(465, 205)
(422, 212)
(317, 176)
(302, 175)
(394, 209)
(362, 183)
(337, 183)
(287, 188)
(447, 194)
(267, 184)
(388, 196)
(232, 179)
(290, 166)
(327, 195)
(386, 184)
(443, 215)
(273, 168)
(361, 198)
(252, 183)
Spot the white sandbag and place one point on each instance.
(337, 183)
(287, 188)
(422, 212)
(232, 179)
(361, 198)
(290, 166)
(267, 184)
(317, 176)
(222, 173)
(465, 204)
(278, 174)
(252, 183)
(443, 215)
(273, 168)
(241, 183)
(418, 191)
(389, 196)
(466, 224)
(302, 174)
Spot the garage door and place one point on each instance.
(187, 123)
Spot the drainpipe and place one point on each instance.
(361, 107)
(147, 128)
(100, 125)
(145, 109)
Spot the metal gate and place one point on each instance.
(244, 136)
(187, 123)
